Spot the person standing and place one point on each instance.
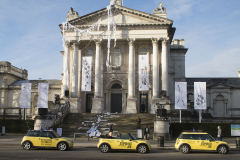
(146, 132)
(138, 120)
(219, 136)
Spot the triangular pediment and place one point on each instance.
(122, 16)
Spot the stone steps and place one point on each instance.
(122, 123)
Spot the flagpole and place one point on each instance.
(200, 116)
(180, 116)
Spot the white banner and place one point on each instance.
(200, 95)
(180, 95)
(26, 95)
(43, 95)
(86, 73)
(143, 73)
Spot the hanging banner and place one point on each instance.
(143, 73)
(43, 95)
(86, 73)
(26, 95)
(200, 95)
(180, 95)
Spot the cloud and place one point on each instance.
(225, 64)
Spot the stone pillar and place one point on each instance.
(96, 108)
(79, 72)
(75, 70)
(155, 74)
(164, 66)
(131, 101)
(66, 69)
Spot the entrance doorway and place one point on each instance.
(143, 103)
(116, 102)
(89, 103)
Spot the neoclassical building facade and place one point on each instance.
(116, 88)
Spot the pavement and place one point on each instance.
(82, 142)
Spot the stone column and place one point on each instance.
(75, 70)
(96, 108)
(131, 101)
(79, 72)
(164, 66)
(155, 73)
(66, 69)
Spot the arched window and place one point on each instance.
(143, 51)
(116, 58)
(90, 53)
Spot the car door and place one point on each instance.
(124, 142)
(44, 139)
(204, 142)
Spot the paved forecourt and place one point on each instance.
(15, 139)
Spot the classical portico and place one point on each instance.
(137, 33)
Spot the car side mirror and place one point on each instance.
(129, 139)
(50, 137)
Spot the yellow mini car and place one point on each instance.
(200, 141)
(123, 142)
(45, 139)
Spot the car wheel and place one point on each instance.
(184, 149)
(27, 145)
(104, 148)
(142, 149)
(62, 146)
(222, 149)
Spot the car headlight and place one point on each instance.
(68, 141)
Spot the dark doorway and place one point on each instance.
(89, 103)
(143, 103)
(116, 102)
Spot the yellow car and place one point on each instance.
(123, 142)
(45, 139)
(200, 141)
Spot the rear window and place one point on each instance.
(32, 134)
(188, 136)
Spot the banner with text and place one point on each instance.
(26, 95)
(200, 95)
(180, 95)
(86, 73)
(43, 95)
(143, 73)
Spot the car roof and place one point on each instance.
(194, 133)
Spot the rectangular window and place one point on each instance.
(188, 136)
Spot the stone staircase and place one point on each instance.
(122, 123)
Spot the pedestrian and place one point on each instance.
(219, 136)
(138, 120)
(110, 128)
(50, 127)
(146, 132)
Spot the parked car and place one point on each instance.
(45, 139)
(123, 142)
(200, 141)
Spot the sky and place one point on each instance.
(30, 37)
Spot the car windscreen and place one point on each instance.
(131, 136)
(55, 134)
(211, 138)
